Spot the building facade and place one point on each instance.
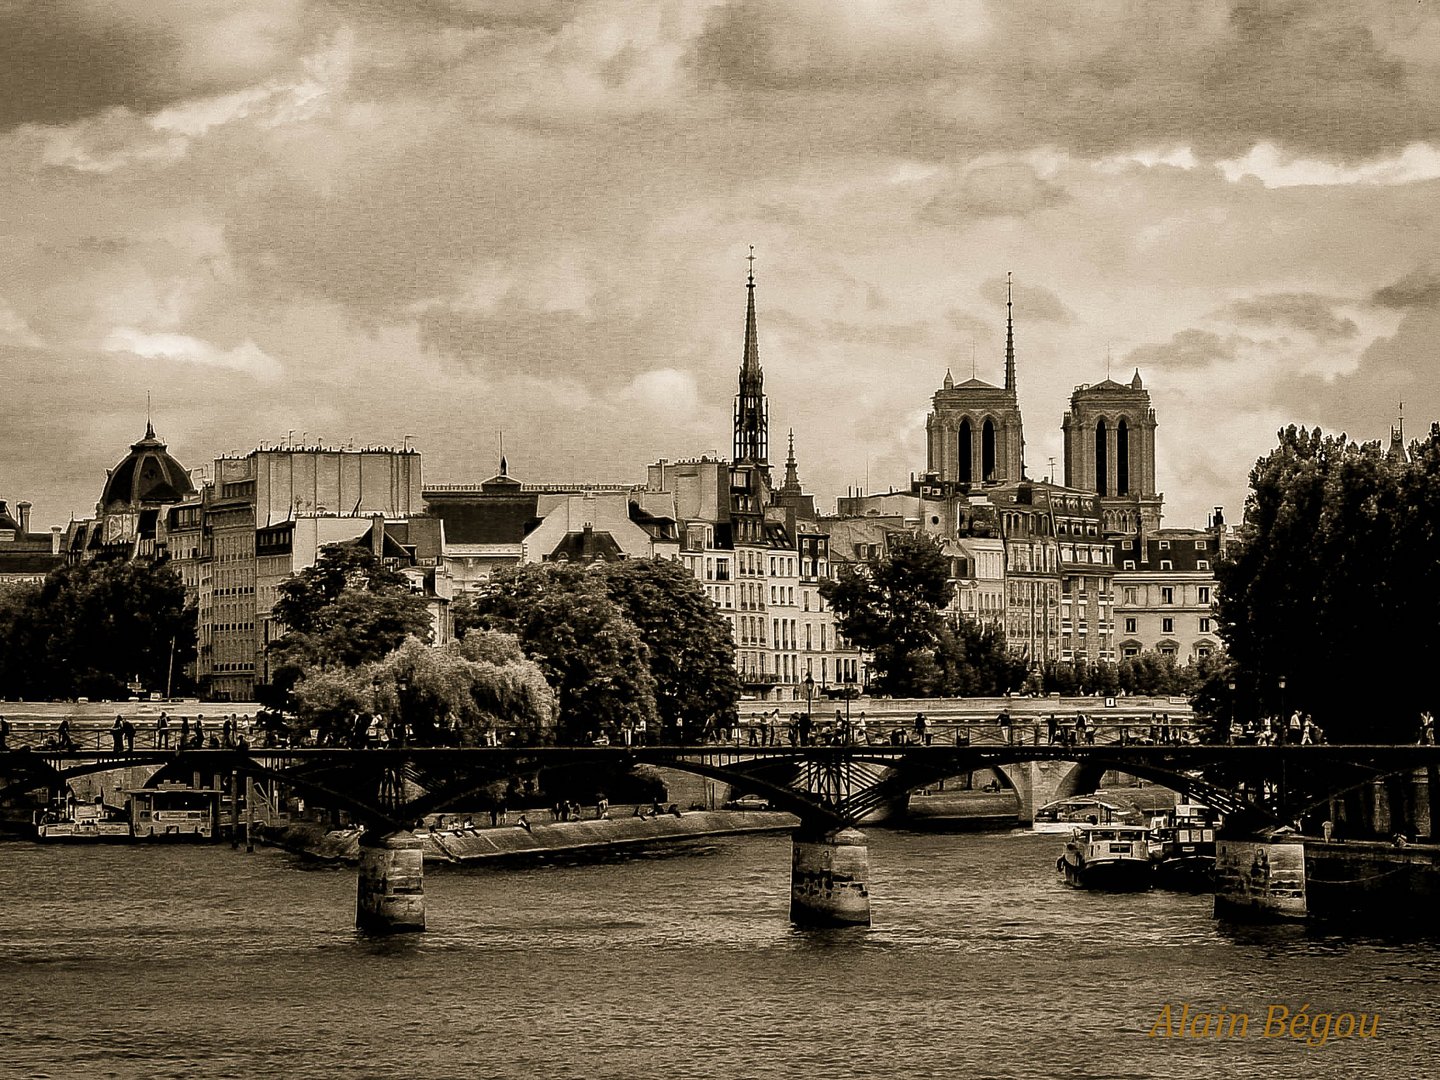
(1166, 592)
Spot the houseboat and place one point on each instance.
(174, 810)
(87, 821)
(1112, 857)
(1182, 845)
(1061, 816)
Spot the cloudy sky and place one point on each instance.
(360, 220)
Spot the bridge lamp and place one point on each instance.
(809, 693)
(1282, 698)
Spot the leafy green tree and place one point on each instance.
(892, 609)
(92, 628)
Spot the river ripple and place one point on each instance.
(192, 962)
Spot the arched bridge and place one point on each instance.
(829, 788)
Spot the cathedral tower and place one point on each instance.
(973, 433)
(1110, 450)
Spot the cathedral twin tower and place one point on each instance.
(974, 437)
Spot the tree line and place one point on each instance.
(1334, 587)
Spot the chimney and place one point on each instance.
(377, 535)
(24, 508)
(54, 539)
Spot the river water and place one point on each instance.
(200, 962)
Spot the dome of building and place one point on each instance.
(147, 475)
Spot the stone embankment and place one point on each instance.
(478, 844)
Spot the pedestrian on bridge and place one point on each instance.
(1003, 722)
(922, 729)
(117, 734)
(128, 729)
(162, 732)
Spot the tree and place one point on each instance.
(1333, 586)
(347, 610)
(974, 661)
(456, 695)
(691, 649)
(91, 629)
(589, 650)
(892, 609)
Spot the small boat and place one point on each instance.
(1113, 857)
(174, 810)
(1063, 815)
(1182, 847)
(72, 821)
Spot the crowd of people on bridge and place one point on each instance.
(1299, 730)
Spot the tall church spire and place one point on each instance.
(1009, 337)
(752, 422)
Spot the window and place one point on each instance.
(1130, 651)
(1202, 564)
(1166, 564)
(1167, 626)
(1164, 545)
(1199, 545)
(1130, 594)
(1202, 594)
(1167, 594)
(1132, 626)
(1204, 626)
(1129, 564)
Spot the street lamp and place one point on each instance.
(1283, 726)
(1234, 712)
(809, 694)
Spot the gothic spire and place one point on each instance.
(751, 419)
(792, 474)
(1009, 337)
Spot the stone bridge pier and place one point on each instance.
(390, 894)
(829, 878)
(1039, 782)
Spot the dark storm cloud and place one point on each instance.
(1307, 312)
(1186, 349)
(63, 60)
(1418, 289)
(1310, 77)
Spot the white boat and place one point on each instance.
(1114, 857)
(173, 810)
(82, 822)
(1061, 816)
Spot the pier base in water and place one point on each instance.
(830, 879)
(390, 896)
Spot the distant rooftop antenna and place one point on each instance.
(1107, 360)
(1052, 470)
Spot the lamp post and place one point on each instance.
(1284, 724)
(809, 694)
(1234, 712)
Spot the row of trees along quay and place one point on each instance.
(1328, 603)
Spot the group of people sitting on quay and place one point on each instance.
(1300, 730)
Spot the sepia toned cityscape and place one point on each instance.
(720, 538)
